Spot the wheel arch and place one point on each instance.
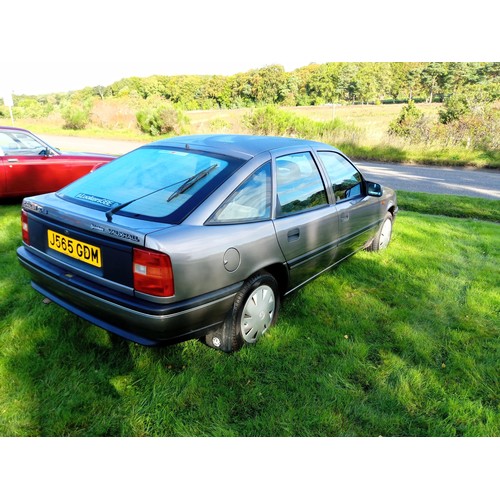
(280, 273)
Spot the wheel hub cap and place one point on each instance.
(385, 234)
(257, 313)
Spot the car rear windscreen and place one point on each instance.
(153, 183)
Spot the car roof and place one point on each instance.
(238, 145)
(17, 129)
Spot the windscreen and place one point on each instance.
(152, 183)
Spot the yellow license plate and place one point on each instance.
(74, 248)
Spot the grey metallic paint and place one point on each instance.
(301, 245)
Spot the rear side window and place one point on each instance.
(346, 180)
(299, 184)
(153, 183)
(250, 202)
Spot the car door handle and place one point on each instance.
(293, 234)
(344, 216)
(12, 160)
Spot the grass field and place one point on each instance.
(366, 137)
(401, 343)
(372, 119)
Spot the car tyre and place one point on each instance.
(254, 311)
(384, 234)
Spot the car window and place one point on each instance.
(346, 180)
(299, 184)
(152, 183)
(14, 143)
(250, 202)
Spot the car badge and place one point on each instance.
(123, 235)
(96, 227)
(35, 207)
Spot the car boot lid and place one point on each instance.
(88, 219)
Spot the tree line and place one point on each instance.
(315, 84)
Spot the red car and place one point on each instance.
(30, 166)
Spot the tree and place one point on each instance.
(369, 83)
(325, 84)
(404, 80)
(432, 77)
(213, 92)
(460, 74)
(268, 85)
(100, 91)
(473, 99)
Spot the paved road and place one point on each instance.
(86, 144)
(441, 180)
(428, 179)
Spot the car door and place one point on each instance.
(34, 174)
(358, 213)
(27, 174)
(27, 169)
(2, 174)
(306, 224)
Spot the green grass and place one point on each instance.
(399, 152)
(50, 127)
(450, 205)
(401, 343)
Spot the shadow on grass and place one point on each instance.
(414, 350)
(61, 379)
(387, 344)
(69, 378)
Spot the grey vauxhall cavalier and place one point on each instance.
(200, 236)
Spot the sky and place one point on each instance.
(57, 46)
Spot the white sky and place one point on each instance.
(60, 45)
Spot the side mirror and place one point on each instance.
(46, 152)
(373, 189)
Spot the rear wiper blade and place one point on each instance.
(191, 182)
(109, 213)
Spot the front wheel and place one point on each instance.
(384, 234)
(254, 311)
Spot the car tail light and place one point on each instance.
(24, 225)
(153, 273)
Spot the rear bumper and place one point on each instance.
(140, 321)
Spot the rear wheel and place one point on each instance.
(254, 311)
(384, 234)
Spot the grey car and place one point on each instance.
(201, 236)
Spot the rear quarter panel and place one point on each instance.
(198, 254)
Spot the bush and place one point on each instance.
(220, 125)
(473, 100)
(76, 116)
(472, 131)
(271, 120)
(454, 107)
(468, 118)
(160, 117)
(411, 124)
(31, 108)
